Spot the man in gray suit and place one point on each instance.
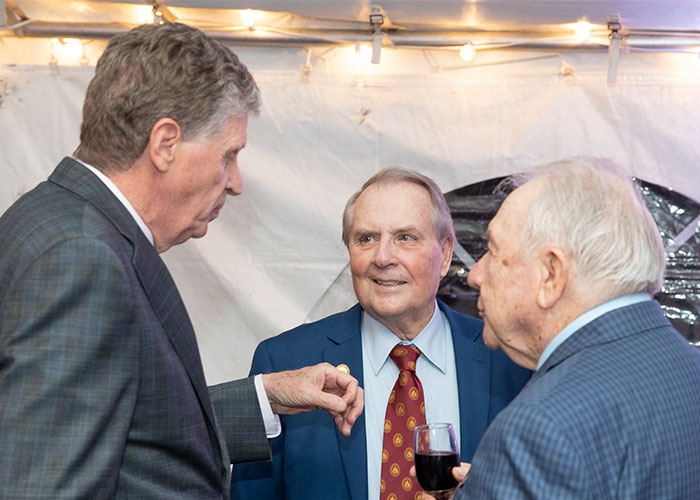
(611, 412)
(102, 393)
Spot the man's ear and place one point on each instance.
(554, 277)
(165, 136)
(448, 247)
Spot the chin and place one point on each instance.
(490, 339)
(198, 233)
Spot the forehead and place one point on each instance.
(395, 203)
(511, 216)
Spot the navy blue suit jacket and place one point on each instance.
(612, 414)
(312, 459)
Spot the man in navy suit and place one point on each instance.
(399, 234)
(102, 393)
(611, 412)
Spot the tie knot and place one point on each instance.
(405, 356)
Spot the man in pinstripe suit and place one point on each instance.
(102, 393)
(611, 412)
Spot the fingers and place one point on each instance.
(460, 473)
(341, 396)
(357, 406)
(320, 386)
(342, 399)
(347, 419)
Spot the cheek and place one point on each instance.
(427, 263)
(505, 278)
(359, 261)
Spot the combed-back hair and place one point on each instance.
(160, 71)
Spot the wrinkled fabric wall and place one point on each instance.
(274, 257)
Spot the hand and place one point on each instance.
(459, 473)
(316, 387)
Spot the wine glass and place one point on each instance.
(436, 453)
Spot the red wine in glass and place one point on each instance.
(434, 471)
(436, 453)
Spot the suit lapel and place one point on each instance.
(473, 382)
(151, 270)
(347, 349)
(170, 310)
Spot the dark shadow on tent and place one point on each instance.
(677, 216)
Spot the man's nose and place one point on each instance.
(234, 186)
(385, 252)
(474, 275)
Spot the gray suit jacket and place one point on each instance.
(612, 414)
(102, 393)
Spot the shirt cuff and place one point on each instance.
(273, 426)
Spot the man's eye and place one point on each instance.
(366, 239)
(406, 237)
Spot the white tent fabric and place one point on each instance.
(274, 257)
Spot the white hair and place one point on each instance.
(595, 213)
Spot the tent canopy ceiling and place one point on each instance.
(491, 23)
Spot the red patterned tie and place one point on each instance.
(404, 411)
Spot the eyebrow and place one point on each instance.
(406, 229)
(398, 230)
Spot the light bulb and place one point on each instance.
(249, 16)
(583, 30)
(467, 52)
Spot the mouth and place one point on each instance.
(388, 282)
(217, 209)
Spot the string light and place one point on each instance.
(362, 57)
(582, 30)
(467, 52)
(68, 51)
(249, 17)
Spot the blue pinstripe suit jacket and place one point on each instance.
(102, 393)
(612, 414)
(312, 460)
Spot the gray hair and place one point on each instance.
(440, 216)
(595, 213)
(153, 72)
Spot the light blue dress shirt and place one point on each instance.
(587, 317)
(435, 368)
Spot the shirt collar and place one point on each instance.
(378, 341)
(115, 190)
(586, 318)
